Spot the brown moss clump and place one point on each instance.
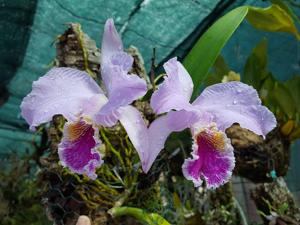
(257, 157)
(275, 201)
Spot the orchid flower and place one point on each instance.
(76, 96)
(217, 108)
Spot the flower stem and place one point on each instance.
(112, 148)
(139, 214)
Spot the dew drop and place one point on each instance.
(239, 90)
(185, 89)
(234, 102)
(32, 99)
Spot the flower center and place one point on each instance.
(212, 138)
(77, 130)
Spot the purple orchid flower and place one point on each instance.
(76, 96)
(217, 108)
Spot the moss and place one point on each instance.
(19, 193)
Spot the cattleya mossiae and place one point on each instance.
(217, 108)
(85, 105)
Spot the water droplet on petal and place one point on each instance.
(32, 99)
(185, 89)
(234, 102)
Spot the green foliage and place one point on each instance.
(273, 19)
(293, 85)
(139, 214)
(208, 47)
(281, 210)
(282, 95)
(287, 96)
(222, 214)
(205, 52)
(219, 69)
(20, 202)
(222, 208)
(255, 70)
(284, 5)
(283, 98)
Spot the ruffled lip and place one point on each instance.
(78, 149)
(212, 158)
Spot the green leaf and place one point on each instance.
(209, 46)
(219, 69)
(220, 66)
(283, 97)
(283, 4)
(179, 140)
(265, 92)
(139, 214)
(205, 52)
(293, 85)
(273, 18)
(176, 201)
(255, 70)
